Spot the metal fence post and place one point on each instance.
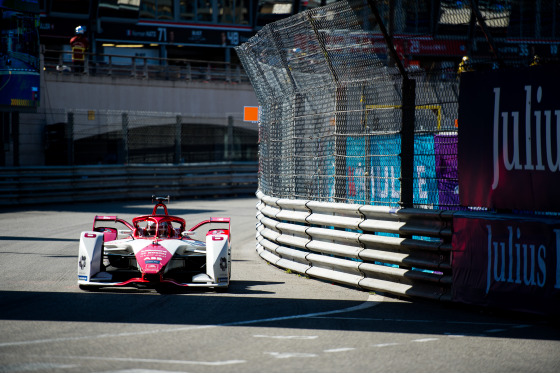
(70, 138)
(340, 120)
(124, 139)
(15, 137)
(145, 68)
(407, 142)
(229, 141)
(133, 68)
(177, 155)
(408, 107)
(228, 73)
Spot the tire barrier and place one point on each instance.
(405, 252)
(63, 184)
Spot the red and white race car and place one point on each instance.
(155, 251)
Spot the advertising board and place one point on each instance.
(507, 263)
(19, 55)
(509, 139)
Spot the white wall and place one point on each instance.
(61, 93)
(129, 94)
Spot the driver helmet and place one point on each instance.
(80, 30)
(151, 229)
(162, 229)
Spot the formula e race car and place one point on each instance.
(155, 251)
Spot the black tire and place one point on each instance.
(86, 287)
(221, 289)
(166, 289)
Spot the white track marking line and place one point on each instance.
(102, 336)
(291, 355)
(511, 325)
(302, 337)
(372, 301)
(462, 335)
(145, 371)
(153, 360)
(37, 366)
(335, 350)
(385, 345)
(424, 340)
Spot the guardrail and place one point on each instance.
(35, 185)
(405, 252)
(143, 67)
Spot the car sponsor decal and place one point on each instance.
(222, 280)
(223, 263)
(82, 277)
(153, 258)
(82, 262)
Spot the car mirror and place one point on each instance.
(187, 233)
(125, 232)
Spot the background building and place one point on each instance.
(189, 29)
(186, 43)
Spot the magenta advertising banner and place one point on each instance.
(509, 139)
(445, 147)
(508, 264)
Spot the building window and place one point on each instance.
(275, 7)
(242, 12)
(148, 9)
(204, 10)
(119, 8)
(187, 10)
(70, 6)
(165, 9)
(156, 9)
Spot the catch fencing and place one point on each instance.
(358, 180)
(354, 110)
(333, 115)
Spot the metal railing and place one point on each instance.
(64, 184)
(405, 252)
(143, 67)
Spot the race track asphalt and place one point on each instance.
(269, 321)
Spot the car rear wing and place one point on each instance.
(212, 220)
(111, 219)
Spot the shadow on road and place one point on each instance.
(243, 305)
(133, 207)
(36, 239)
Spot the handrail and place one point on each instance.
(352, 244)
(63, 184)
(142, 67)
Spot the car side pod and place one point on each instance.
(89, 255)
(218, 256)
